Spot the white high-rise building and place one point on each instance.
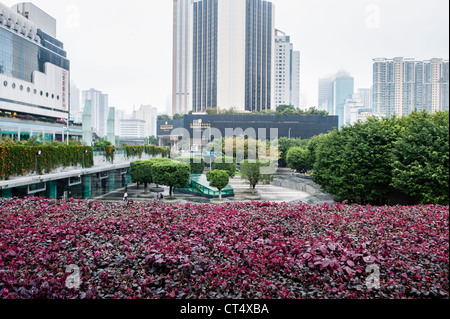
(99, 109)
(287, 72)
(402, 85)
(149, 114)
(182, 57)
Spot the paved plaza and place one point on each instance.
(269, 193)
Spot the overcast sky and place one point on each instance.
(124, 48)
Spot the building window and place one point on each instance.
(21, 87)
(28, 90)
(5, 83)
(13, 85)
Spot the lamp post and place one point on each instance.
(38, 153)
(290, 132)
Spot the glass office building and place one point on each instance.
(233, 48)
(34, 68)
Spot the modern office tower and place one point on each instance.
(132, 130)
(326, 94)
(444, 86)
(333, 93)
(403, 85)
(182, 57)
(34, 69)
(149, 114)
(343, 89)
(233, 53)
(40, 18)
(287, 71)
(99, 109)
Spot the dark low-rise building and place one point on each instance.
(262, 126)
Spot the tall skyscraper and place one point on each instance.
(287, 71)
(402, 85)
(149, 114)
(334, 92)
(182, 56)
(99, 109)
(343, 89)
(326, 94)
(223, 55)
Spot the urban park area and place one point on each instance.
(359, 213)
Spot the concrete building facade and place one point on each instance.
(287, 71)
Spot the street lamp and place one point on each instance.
(290, 132)
(38, 153)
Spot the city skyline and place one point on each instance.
(113, 56)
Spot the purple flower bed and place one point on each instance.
(236, 250)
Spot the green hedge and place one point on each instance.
(138, 150)
(20, 160)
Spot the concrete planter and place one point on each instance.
(253, 197)
(170, 201)
(146, 195)
(156, 189)
(217, 201)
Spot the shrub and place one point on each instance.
(20, 160)
(421, 158)
(238, 251)
(299, 159)
(225, 164)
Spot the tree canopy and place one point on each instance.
(218, 179)
(171, 174)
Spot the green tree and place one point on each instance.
(178, 116)
(173, 174)
(152, 140)
(421, 158)
(299, 158)
(285, 109)
(354, 163)
(225, 163)
(254, 172)
(141, 171)
(197, 163)
(218, 179)
(164, 117)
(284, 144)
